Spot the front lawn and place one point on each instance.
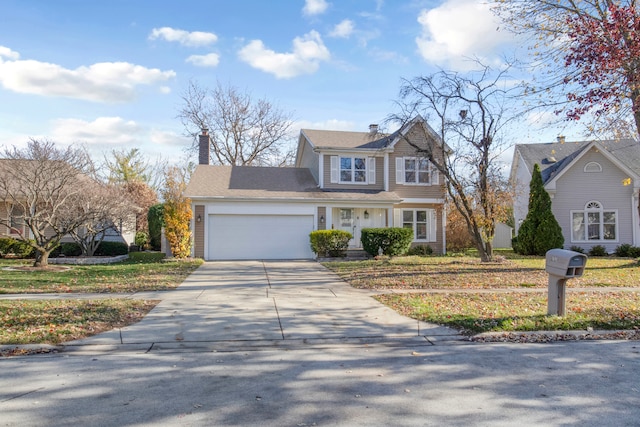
(55, 321)
(458, 292)
(142, 272)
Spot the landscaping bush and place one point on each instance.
(155, 219)
(626, 250)
(393, 241)
(577, 249)
(6, 243)
(70, 249)
(332, 243)
(16, 247)
(598, 250)
(141, 239)
(112, 249)
(420, 250)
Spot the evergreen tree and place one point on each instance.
(540, 230)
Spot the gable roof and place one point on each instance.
(343, 139)
(553, 158)
(247, 182)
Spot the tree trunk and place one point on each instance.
(42, 258)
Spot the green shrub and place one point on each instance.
(112, 249)
(392, 241)
(19, 248)
(70, 249)
(6, 243)
(577, 249)
(598, 250)
(155, 219)
(141, 239)
(626, 250)
(420, 250)
(332, 243)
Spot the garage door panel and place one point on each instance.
(259, 236)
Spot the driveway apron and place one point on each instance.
(268, 301)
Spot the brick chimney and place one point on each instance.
(561, 139)
(203, 145)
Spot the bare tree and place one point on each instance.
(470, 113)
(106, 208)
(40, 188)
(243, 131)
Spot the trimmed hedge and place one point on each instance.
(420, 250)
(626, 250)
(332, 243)
(393, 241)
(112, 249)
(19, 248)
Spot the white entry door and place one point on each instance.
(348, 223)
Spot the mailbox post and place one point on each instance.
(562, 265)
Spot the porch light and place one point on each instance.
(366, 214)
(199, 218)
(321, 219)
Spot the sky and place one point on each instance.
(110, 74)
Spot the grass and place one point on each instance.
(142, 272)
(506, 309)
(56, 321)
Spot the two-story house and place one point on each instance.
(341, 180)
(593, 186)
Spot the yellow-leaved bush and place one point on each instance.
(177, 214)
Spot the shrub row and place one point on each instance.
(104, 249)
(332, 243)
(625, 250)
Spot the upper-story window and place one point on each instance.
(353, 170)
(415, 171)
(592, 167)
(594, 223)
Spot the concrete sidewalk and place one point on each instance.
(265, 303)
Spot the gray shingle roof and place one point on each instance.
(239, 182)
(343, 139)
(627, 151)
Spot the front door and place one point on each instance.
(348, 223)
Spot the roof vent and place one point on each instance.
(561, 139)
(551, 159)
(373, 128)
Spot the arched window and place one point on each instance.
(593, 167)
(594, 223)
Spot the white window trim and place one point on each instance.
(601, 210)
(369, 170)
(431, 223)
(400, 175)
(592, 167)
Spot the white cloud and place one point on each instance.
(343, 30)
(186, 38)
(314, 7)
(459, 30)
(7, 53)
(208, 60)
(100, 82)
(103, 131)
(308, 52)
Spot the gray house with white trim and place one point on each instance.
(593, 186)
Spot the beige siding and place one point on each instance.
(198, 234)
(403, 149)
(575, 188)
(310, 160)
(379, 185)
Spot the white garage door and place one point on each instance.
(259, 236)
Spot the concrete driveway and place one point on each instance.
(288, 344)
(272, 303)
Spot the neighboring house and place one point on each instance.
(593, 187)
(341, 180)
